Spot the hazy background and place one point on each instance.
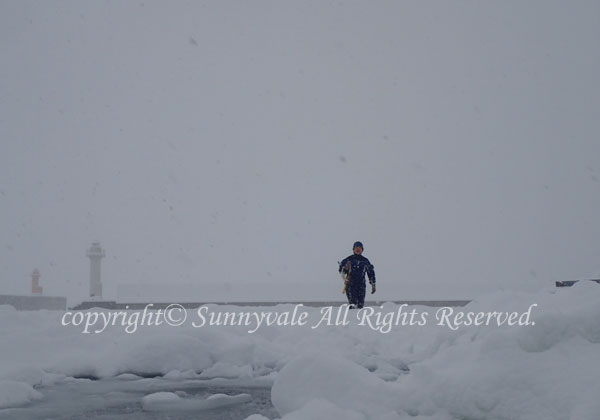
(251, 143)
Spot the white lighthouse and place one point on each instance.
(95, 254)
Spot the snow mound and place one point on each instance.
(227, 371)
(15, 394)
(128, 377)
(170, 401)
(161, 355)
(335, 379)
(319, 409)
(33, 376)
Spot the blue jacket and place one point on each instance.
(359, 267)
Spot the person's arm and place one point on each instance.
(371, 274)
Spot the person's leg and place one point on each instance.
(349, 295)
(360, 291)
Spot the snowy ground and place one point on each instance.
(546, 371)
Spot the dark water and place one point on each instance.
(121, 400)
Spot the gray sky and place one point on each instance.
(254, 142)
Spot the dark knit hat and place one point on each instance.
(359, 244)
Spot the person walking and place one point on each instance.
(353, 269)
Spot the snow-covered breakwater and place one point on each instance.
(544, 371)
(111, 304)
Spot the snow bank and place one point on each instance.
(546, 371)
